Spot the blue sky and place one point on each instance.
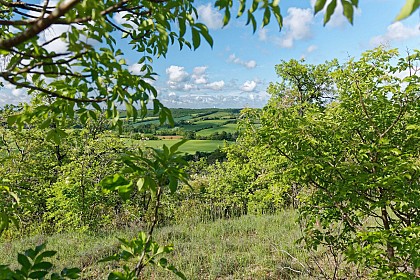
(237, 70)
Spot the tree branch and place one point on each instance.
(39, 26)
(51, 93)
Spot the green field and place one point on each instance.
(217, 115)
(195, 120)
(229, 128)
(197, 126)
(189, 147)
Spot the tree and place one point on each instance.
(356, 159)
(89, 69)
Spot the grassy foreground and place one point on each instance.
(249, 247)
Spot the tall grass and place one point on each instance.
(248, 247)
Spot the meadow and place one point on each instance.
(248, 247)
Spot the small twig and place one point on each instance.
(293, 258)
(140, 265)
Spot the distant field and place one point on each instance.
(189, 147)
(229, 128)
(219, 115)
(178, 137)
(197, 126)
(212, 122)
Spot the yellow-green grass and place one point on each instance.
(190, 147)
(249, 247)
(228, 128)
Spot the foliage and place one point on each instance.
(356, 160)
(69, 72)
(254, 178)
(142, 250)
(75, 201)
(156, 173)
(9, 209)
(34, 266)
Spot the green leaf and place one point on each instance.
(319, 5)
(330, 10)
(242, 5)
(4, 221)
(71, 273)
(409, 7)
(347, 10)
(37, 274)
(24, 261)
(45, 124)
(251, 19)
(267, 16)
(182, 27)
(278, 16)
(125, 190)
(42, 265)
(116, 275)
(195, 38)
(226, 18)
(175, 146)
(112, 182)
(173, 184)
(163, 262)
(40, 248)
(206, 35)
(46, 254)
(141, 184)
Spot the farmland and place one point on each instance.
(206, 129)
(190, 147)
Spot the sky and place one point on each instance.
(236, 72)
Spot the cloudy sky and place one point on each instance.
(239, 67)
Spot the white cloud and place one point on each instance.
(176, 74)
(210, 16)
(58, 45)
(179, 80)
(11, 95)
(136, 69)
(188, 87)
(216, 85)
(297, 26)
(396, 32)
(249, 86)
(262, 34)
(199, 75)
(250, 64)
(119, 17)
(311, 48)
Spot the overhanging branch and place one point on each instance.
(39, 26)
